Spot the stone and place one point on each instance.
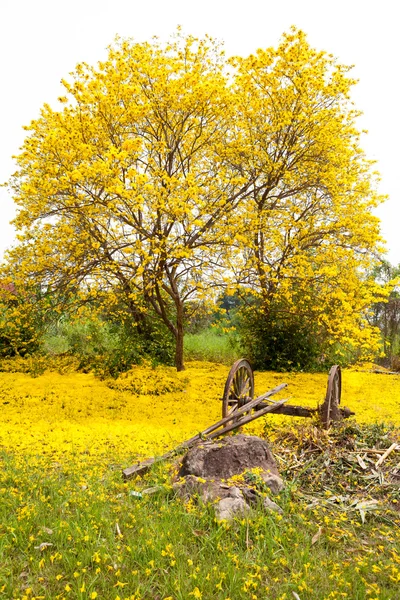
(274, 482)
(206, 468)
(269, 504)
(235, 492)
(251, 496)
(207, 490)
(229, 508)
(232, 456)
(153, 490)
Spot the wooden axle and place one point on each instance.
(295, 411)
(291, 410)
(301, 411)
(239, 391)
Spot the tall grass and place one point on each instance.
(213, 346)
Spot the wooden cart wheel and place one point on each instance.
(330, 409)
(239, 387)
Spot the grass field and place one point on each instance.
(212, 346)
(70, 527)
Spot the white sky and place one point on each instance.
(41, 41)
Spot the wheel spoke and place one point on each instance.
(233, 408)
(238, 388)
(233, 392)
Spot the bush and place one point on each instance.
(274, 343)
(162, 381)
(109, 348)
(21, 325)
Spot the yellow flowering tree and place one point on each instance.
(170, 169)
(308, 230)
(128, 188)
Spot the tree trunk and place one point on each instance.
(179, 338)
(158, 303)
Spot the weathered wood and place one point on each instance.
(270, 393)
(380, 460)
(241, 411)
(138, 468)
(292, 410)
(261, 405)
(330, 411)
(380, 372)
(247, 418)
(239, 386)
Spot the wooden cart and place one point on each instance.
(239, 392)
(240, 407)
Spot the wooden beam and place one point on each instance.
(233, 421)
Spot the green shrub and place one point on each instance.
(109, 348)
(277, 343)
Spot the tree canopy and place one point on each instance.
(170, 170)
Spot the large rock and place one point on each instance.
(206, 468)
(232, 456)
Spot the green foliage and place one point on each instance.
(83, 338)
(279, 343)
(34, 364)
(386, 314)
(198, 317)
(131, 348)
(21, 344)
(107, 347)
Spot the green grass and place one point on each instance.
(212, 346)
(106, 543)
